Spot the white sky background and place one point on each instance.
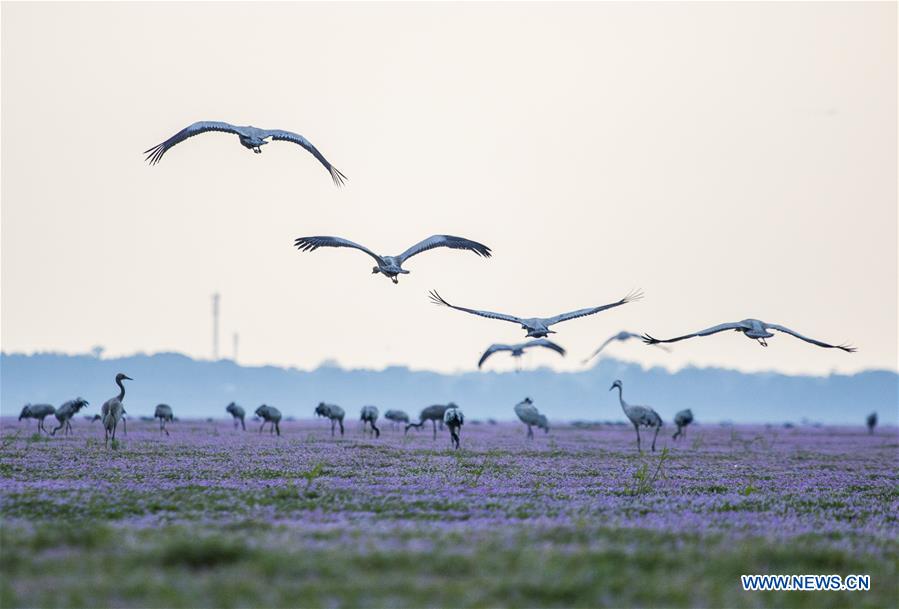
(733, 160)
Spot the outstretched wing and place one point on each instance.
(491, 350)
(456, 243)
(847, 348)
(438, 299)
(542, 342)
(310, 244)
(649, 340)
(583, 312)
(154, 154)
(601, 347)
(289, 136)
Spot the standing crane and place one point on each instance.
(65, 413)
(528, 414)
(39, 412)
(113, 409)
(433, 414)
(164, 414)
(640, 416)
(369, 415)
(871, 421)
(238, 414)
(396, 417)
(250, 137)
(454, 419)
(269, 414)
(682, 419)
(333, 412)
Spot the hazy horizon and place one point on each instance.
(732, 160)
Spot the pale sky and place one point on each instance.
(732, 160)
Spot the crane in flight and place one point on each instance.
(517, 350)
(391, 266)
(252, 138)
(755, 329)
(537, 327)
(621, 336)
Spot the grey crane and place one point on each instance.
(39, 412)
(392, 266)
(238, 414)
(454, 419)
(640, 416)
(333, 412)
(621, 336)
(396, 417)
(250, 137)
(528, 414)
(65, 413)
(682, 419)
(113, 409)
(434, 414)
(269, 414)
(537, 327)
(369, 415)
(871, 422)
(517, 350)
(164, 413)
(751, 328)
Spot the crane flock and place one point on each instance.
(536, 328)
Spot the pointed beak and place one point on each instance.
(129, 378)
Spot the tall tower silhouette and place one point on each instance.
(215, 326)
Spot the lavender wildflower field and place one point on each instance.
(211, 516)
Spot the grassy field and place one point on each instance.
(215, 517)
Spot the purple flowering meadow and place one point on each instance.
(213, 516)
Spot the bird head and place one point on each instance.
(375, 270)
(25, 411)
(122, 377)
(615, 384)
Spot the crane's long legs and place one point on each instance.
(435, 428)
(530, 433)
(658, 429)
(637, 429)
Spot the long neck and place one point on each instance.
(122, 387)
(621, 399)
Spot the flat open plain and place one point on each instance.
(211, 516)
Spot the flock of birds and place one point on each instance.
(537, 329)
(443, 415)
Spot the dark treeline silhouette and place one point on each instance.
(198, 388)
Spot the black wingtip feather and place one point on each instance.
(438, 299)
(649, 340)
(338, 177)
